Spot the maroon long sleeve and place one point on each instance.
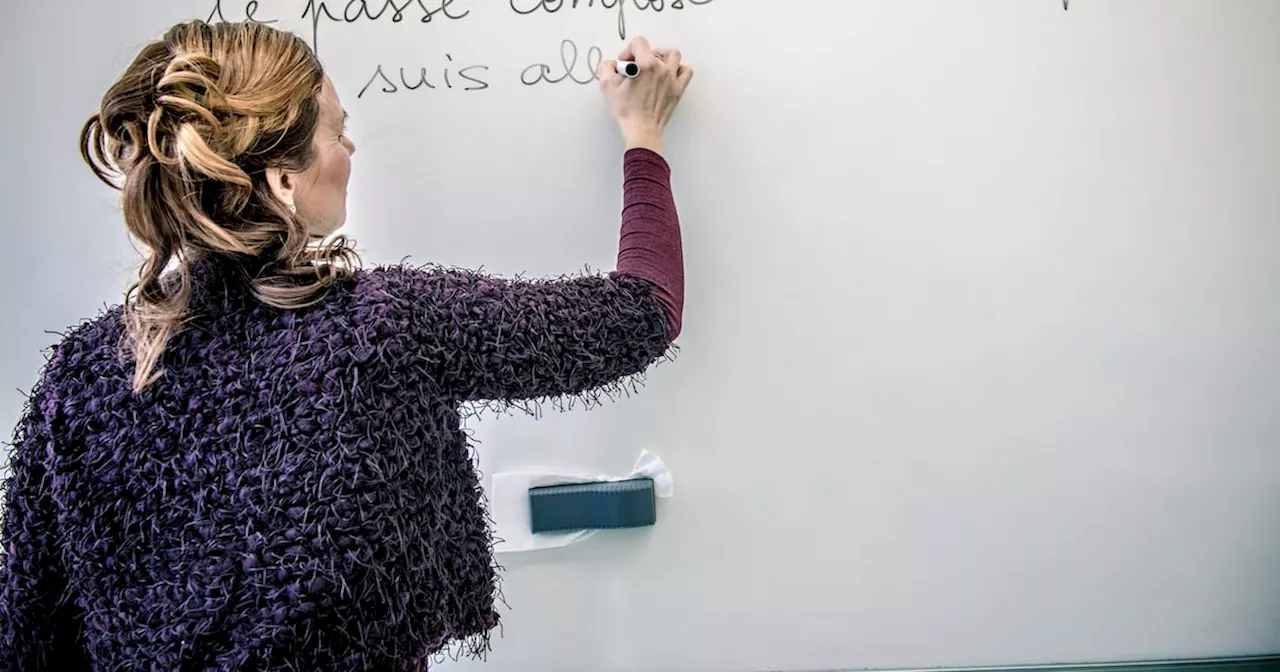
(650, 246)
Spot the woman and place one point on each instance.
(256, 462)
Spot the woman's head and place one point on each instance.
(226, 141)
(319, 193)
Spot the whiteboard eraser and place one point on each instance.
(593, 506)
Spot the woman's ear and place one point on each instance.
(283, 184)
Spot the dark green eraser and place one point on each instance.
(593, 506)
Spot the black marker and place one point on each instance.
(628, 69)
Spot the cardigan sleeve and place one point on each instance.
(39, 629)
(497, 339)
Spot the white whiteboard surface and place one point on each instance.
(982, 351)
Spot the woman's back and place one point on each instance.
(257, 461)
(297, 488)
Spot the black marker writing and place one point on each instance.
(541, 72)
(479, 84)
(373, 10)
(473, 74)
(525, 7)
(389, 86)
(250, 12)
(422, 80)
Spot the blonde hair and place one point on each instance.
(187, 134)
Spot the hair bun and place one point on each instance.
(187, 134)
(181, 121)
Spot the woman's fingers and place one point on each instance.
(607, 72)
(636, 50)
(669, 56)
(684, 75)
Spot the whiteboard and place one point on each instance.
(981, 360)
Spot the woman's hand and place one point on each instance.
(643, 105)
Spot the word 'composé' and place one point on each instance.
(525, 7)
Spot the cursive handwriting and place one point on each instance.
(525, 7)
(372, 10)
(541, 72)
(250, 12)
(472, 77)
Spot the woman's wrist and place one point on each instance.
(643, 136)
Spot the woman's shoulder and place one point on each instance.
(90, 340)
(416, 283)
(384, 276)
(84, 351)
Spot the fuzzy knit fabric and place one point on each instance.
(297, 491)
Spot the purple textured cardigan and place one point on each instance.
(296, 492)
